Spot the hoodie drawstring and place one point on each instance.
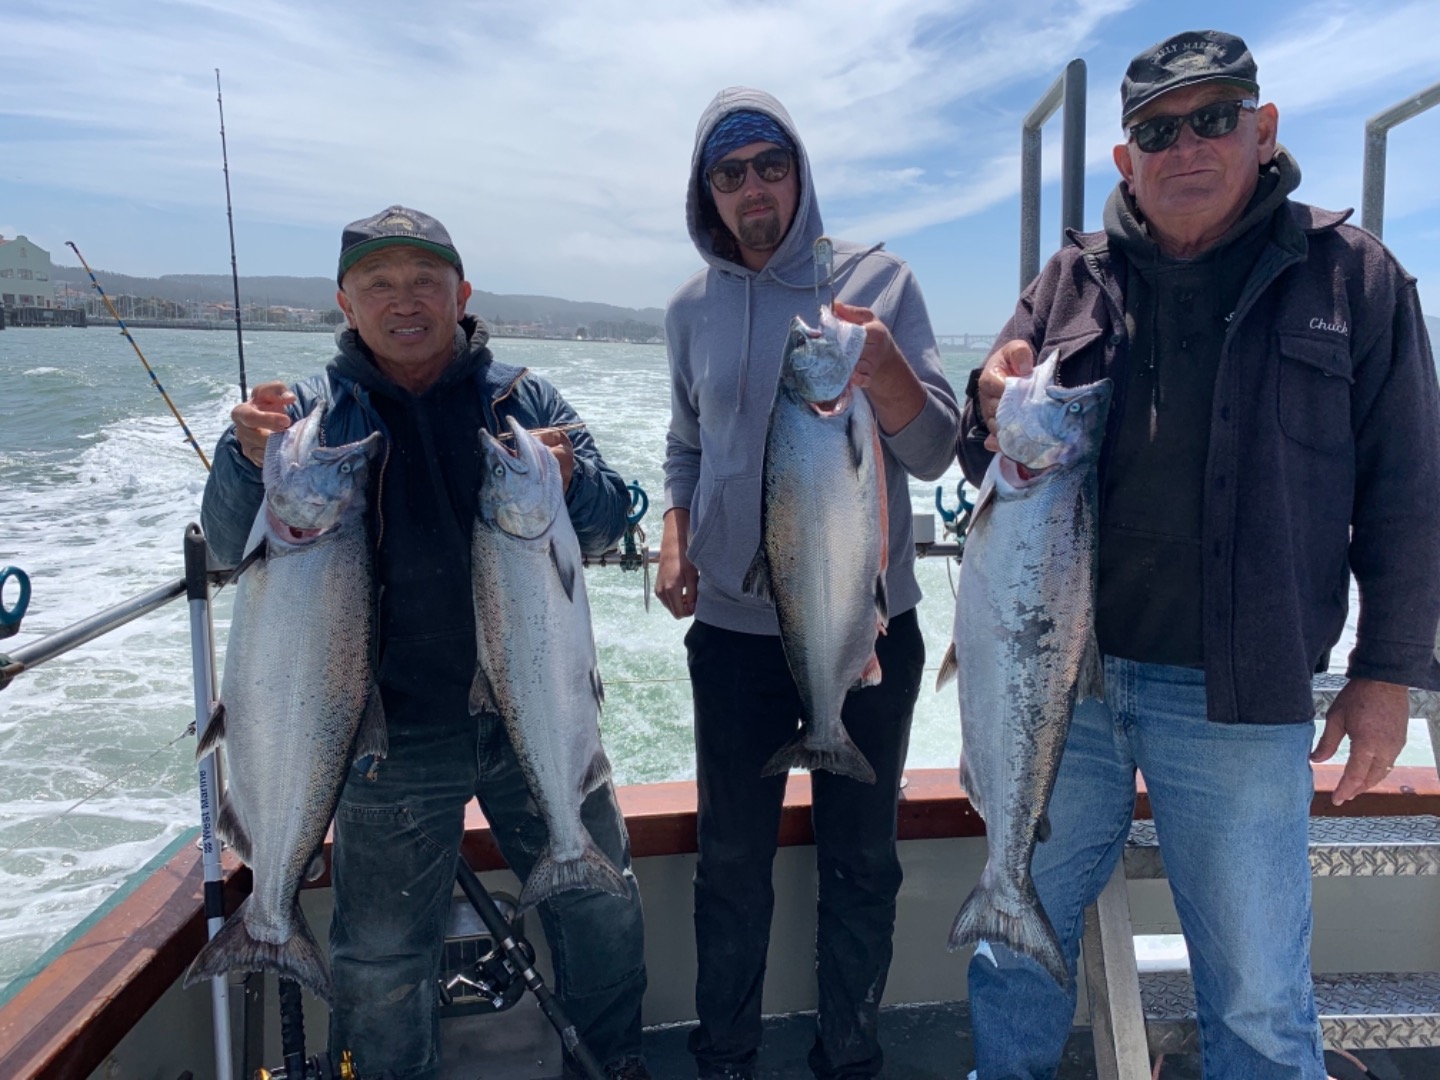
(744, 347)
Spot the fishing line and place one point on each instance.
(230, 215)
(126, 331)
(190, 730)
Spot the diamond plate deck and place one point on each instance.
(1358, 1012)
(1339, 847)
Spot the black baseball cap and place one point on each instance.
(1196, 56)
(395, 225)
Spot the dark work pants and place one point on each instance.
(397, 838)
(746, 708)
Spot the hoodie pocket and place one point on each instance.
(726, 516)
(1314, 393)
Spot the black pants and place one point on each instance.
(746, 708)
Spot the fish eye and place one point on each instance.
(346, 468)
(498, 471)
(1075, 406)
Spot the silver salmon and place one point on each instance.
(297, 703)
(536, 665)
(824, 535)
(1024, 642)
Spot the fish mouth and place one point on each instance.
(290, 533)
(835, 406)
(1019, 475)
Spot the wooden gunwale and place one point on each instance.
(72, 1014)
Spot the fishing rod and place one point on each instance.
(230, 215)
(126, 331)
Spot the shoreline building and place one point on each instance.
(27, 289)
(25, 274)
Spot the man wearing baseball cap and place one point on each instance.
(412, 365)
(1275, 426)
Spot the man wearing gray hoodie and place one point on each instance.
(754, 217)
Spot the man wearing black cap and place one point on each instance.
(754, 217)
(413, 366)
(1276, 420)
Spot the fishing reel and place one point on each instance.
(318, 1067)
(476, 975)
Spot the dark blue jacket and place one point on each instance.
(597, 498)
(1324, 456)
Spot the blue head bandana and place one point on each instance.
(741, 129)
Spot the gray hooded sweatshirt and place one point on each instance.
(726, 329)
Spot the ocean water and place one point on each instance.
(96, 488)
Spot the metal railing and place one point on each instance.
(1377, 128)
(1068, 90)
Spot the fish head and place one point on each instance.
(818, 363)
(1042, 426)
(312, 489)
(520, 492)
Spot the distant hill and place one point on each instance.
(318, 293)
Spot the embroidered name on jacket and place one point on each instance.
(1341, 328)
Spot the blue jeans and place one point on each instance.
(746, 708)
(397, 838)
(1231, 806)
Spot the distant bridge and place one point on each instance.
(969, 342)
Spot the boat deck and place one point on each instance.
(921, 1042)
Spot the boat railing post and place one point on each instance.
(202, 654)
(1068, 90)
(1377, 129)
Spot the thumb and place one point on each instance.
(851, 314)
(1329, 738)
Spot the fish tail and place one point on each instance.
(843, 759)
(592, 870)
(233, 949)
(1026, 931)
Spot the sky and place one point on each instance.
(553, 137)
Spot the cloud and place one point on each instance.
(554, 137)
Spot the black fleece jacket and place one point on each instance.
(1323, 455)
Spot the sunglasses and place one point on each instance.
(771, 165)
(1213, 121)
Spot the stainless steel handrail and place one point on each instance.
(1068, 90)
(62, 641)
(1377, 129)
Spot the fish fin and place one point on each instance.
(214, 732)
(258, 553)
(985, 498)
(757, 578)
(597, 686)
(882, 496)
(1091, 684)
(1042, 828)
(870, 676)
(949, 667)
(372, 739)
(858, 448)
(598, 774)
(232, 830)
(1026, 930)
(316, 870)
(566, 570)
(272, 472)
(233, 949)
(882, 604)
(972, 789)
(844, 759)
(482, 694)
(592, 870)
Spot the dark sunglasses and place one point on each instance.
(1212, 121)
(771, 165)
